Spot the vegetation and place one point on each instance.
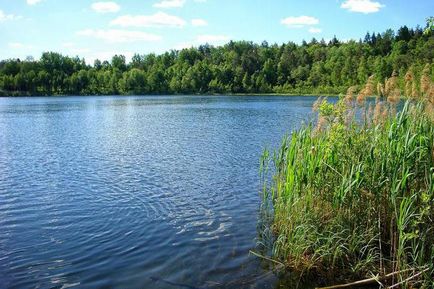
(237, 67)
(352, 195)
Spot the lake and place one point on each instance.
(137, 191)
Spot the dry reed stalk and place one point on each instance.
(380, 90)
(425, 81)
(349, 96)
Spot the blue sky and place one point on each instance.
(100, 29)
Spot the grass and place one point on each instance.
(352, 194)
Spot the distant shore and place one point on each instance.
(171, 94)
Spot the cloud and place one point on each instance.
(33, 2)
(169, 4)
(199, 22)
(119, 36)
(299, 21)
(158, 19)
(314, 30)
(8, 17)
(105, 7)
(362, 6)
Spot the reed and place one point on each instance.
(352, 193)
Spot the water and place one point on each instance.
(136, 192)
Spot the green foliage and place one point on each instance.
(429, 25)
(353, 196)
(237, 67)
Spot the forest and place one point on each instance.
(315, 67)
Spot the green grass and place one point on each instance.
(352, 196)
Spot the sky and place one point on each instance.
(100, 29)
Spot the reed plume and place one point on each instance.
(425, 80)
(368, 90)
(353, 197)
(409, 83)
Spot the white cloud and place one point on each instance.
(106, 7)
(314, 30)
(7, 17)
(158, 19)
(299, 21)
(199, 22)
(119, 36)
(33, 2)
(169, 4)
(362, 6)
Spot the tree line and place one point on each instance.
(237, 67)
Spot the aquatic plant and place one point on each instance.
(352, 193)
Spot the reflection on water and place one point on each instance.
(136, 192)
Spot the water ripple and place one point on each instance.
(134, 192)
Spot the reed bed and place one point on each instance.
(352, 192)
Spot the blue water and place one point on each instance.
(136, 192)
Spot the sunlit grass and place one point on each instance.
(352, 194)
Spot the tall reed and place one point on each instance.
(352, 194)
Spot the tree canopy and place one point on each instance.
(316, 66)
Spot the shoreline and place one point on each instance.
(175, 94)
